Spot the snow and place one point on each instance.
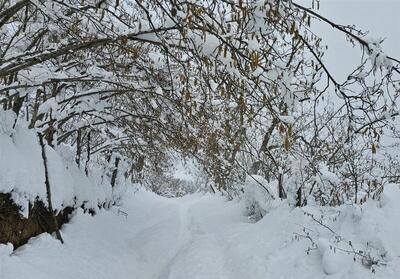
(205, 236)
(50, 104)
(22, 171)
(287, 119)
(256, 198)
(332, 262)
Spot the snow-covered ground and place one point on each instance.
(204, 236)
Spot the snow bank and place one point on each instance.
(350, 241)
(22, 171)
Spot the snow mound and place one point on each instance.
(260, 196)
(22, 171)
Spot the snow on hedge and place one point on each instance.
(22, 171)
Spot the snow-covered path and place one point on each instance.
(190, 232)
(202, 247)
(158, 239)
(197, 236)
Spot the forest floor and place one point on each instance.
(197, 236)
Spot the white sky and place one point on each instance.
(380, 17)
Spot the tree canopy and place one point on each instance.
(241, 86)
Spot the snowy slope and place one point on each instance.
(203, 236)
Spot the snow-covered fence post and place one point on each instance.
(115, 172)
(88, 155)
(78, 147)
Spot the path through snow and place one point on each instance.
(158, 239)
(197, 236)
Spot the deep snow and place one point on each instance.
(204, 236)
(22, 171)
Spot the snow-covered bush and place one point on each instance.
(22, 173)
(353, 233)
(259, 196)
